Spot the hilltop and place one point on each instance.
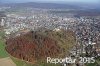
(36, 45)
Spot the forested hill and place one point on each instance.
(35, 46)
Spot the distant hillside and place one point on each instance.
(73, 5)
(43, 5)
(35, 46)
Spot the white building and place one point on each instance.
(2, 22)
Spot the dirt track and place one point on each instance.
(7, 62)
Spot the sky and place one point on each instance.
(51, 1)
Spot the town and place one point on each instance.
(86, 28)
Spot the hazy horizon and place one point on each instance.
(52, 1)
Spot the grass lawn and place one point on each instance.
(3, 52)
(94, 64)
(19, 62)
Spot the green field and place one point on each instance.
(3, 52)
(92, 64)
